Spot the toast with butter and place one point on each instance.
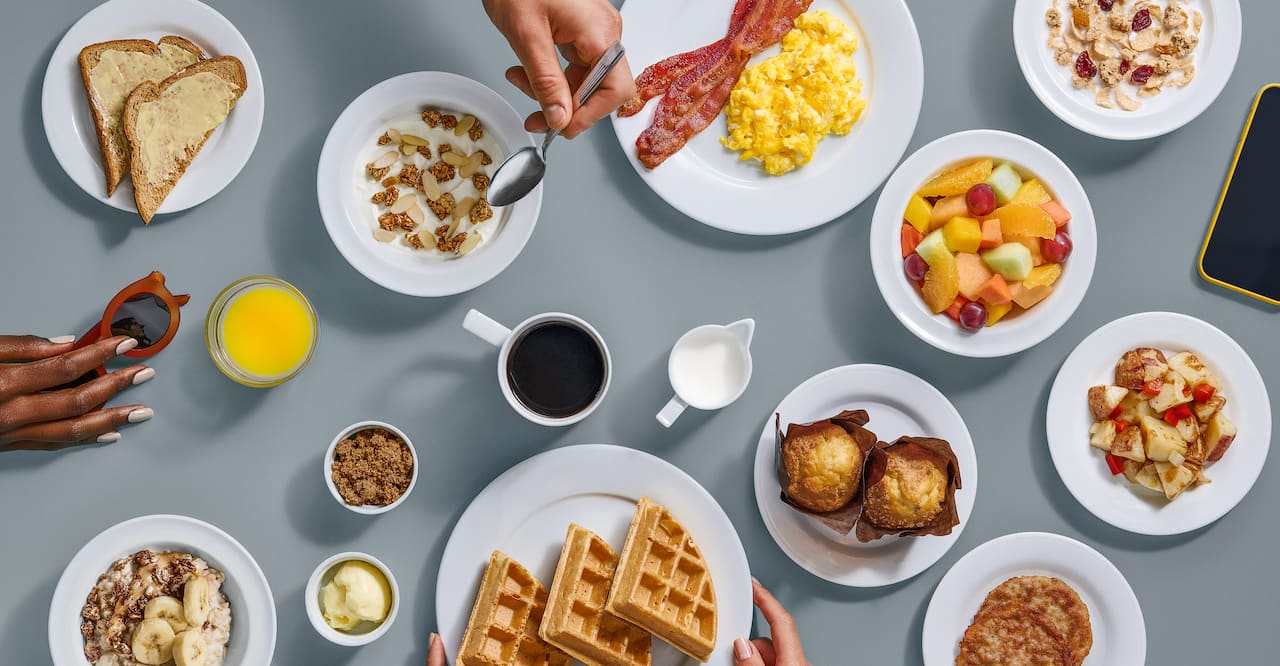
(111, 70)
(167, 124)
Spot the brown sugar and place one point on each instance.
(372, 467)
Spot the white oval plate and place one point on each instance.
(68, 122)
(1215, 59)
(1083, 468)
(346, 219)
(710, 184)
(899, 403)
(253, 612)
(526, 511)
(1012, 335)
(1119, 632)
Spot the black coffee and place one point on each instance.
(556, 369)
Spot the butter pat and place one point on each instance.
(358, 593)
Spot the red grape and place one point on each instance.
(1056, 249)
(915, 267)
(973, 316)
(980, 199)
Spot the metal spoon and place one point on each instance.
(523, 170)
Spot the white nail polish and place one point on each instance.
(140, 415)
(126, 346)
(741, 649)
(143, 375)
(109, 438)
(62, 339)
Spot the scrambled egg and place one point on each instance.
(782, 107)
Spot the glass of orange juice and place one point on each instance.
(261, 331)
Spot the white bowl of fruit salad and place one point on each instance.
(983, 243)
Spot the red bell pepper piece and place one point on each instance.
(1203, 392)
(1115, 463)
(1171, 416)
(1153, 387)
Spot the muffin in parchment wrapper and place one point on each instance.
(820, 467)
(909, 489)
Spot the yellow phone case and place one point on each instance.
(1212, 223)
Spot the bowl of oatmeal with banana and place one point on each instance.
(1127, 69)
(160, 590)
(403, 181)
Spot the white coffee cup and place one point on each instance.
(709, 368)
(505, 338)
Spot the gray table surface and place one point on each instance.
(610, 250)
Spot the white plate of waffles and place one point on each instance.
(898, 403)
(525, 513)
(707, 181)
(68, 122)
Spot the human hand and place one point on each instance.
(30, 419)
(435, 653)
(783, 649)
(582, 30)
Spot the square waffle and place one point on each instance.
(662, 583)
(503, 629)
(576, 621)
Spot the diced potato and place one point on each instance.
(1131, 469)
(1174, 478)
(1161, 439)
(1128, 444)
(1197, 451)
(1205, 410)
(1188, 429)
(1148, 477)
(1138, 366)
(1193, 370)
(1104, 399)
(1171, 393)
(1218, 435)
(1102, 434)
(1131, 406)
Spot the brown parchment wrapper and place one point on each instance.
(937, 451)
(841, 520)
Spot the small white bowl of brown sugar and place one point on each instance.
(370, 467)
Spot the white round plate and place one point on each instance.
(1119, 632)
(253, 612)
(346, 219)
(1215, 58)
(68, 122)
(1011, 335)
(710, 184)
(1083, 468)
(526, 511)
(899, 403)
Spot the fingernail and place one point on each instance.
(62, 339)
(741, 649)
(140, 415)
(108, 438)
(143, 375)
(756, 581)
(556, 116)
(434, 637)
(126, 346)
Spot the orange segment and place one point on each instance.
(1042, 276)
(1020, 220)
(941, 285)
(958, 180)
(1032, 193)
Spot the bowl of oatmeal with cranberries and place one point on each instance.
(162, 590)
(1127, 69)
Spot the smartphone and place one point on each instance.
(1242, 248)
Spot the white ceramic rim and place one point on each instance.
(932, 548)
(68, 122)
(328, 467)
(1083, 468)
(1115, 610)
(505, 351)
(1008, 336)
(346, 221)
(253, 610)
(746, 202)
(1052, 83)
(312, 601)
(671, 371)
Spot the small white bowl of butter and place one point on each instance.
(352, 599)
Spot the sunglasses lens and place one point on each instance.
(144, 317)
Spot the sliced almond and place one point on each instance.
(408, 149)
(415, 213)
(394, 135)
(427, 237)
(463, 208)
(385, 160)
(383, 235)
(413, 140)
(473, 240)
(431, 188)
(404, 203)
(464, 125)
(453, 227)
(472, 166)
(454, 158)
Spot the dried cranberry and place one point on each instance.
(1124, 67)
(1105, 5)
(1141, 74)
(1142, 20)
(1085, 68)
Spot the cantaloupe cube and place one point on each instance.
(1028, 297)
(973, 273)
(917, 214)
(994, 292)
(962, 234)
(945, 209)
(1032, 193)
(958, 180)
(997, 312)
(1042, 276)
(1059, 214)
(991, 235)
(911, 237)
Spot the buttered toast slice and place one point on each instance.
(111, 70)
(167, 124)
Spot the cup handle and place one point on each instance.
(485, 328)
(675, 407)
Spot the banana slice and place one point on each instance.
(168, 609)
(195, 601)
(189, 649)
(152, 642)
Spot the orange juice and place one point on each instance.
(260, 331)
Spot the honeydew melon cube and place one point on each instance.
(1011, 260)
(1005, 181)
(932, 248)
